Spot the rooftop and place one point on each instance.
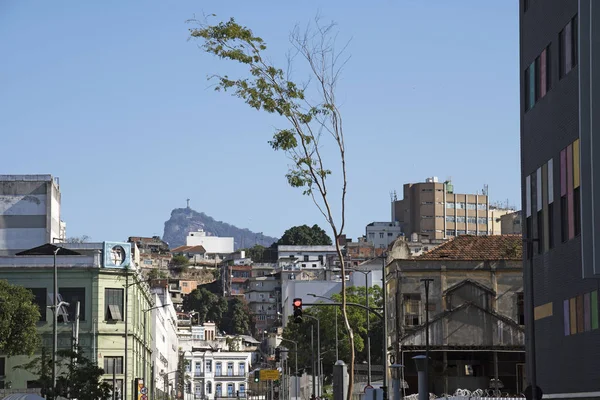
(189, 249)
(470, 248)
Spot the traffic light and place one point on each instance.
(257, 375)
(297, 310)
(277, 354)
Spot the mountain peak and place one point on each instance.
(186, 220)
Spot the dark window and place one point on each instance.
(39, 298)
(34, 385)
(564, 219)
(305, 258)
(113, 299)
(530, 90)
(551, 225)
(72, 296)
(412, 309)
(526, 5)
(520, 309)
(567, 40)
(2, 366)
(543, 75)
(109, 362)
(540, 231)
(321, 259)
(577, 210)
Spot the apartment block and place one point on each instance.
(433, 211)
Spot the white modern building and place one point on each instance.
(29, 212)
(381, 234)
(212, 244)
(165, 343)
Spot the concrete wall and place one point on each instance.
(29, 212)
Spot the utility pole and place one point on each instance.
(427, 281)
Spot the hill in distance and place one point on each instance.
(186, 220)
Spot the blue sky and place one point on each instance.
(112, 98)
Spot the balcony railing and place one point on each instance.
(219, 375)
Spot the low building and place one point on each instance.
(381, 234)
(109, 290)
(212, 244)
(152, 252)
(511, 223)
(217, 365)
(264, 300)
(476, 313)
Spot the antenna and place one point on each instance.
(188, 203)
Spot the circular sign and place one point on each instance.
(392, 359)
(368, 387)
(144, 397)
(144, 390)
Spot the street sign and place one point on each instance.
(269, 374)
(368, 387)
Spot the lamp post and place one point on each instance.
(337, 356)
(384, 298)
(366, 275)
(318, 351)
(396, 370)
(296, 366)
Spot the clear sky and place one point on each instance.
(112, 98)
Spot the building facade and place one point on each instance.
(476, 314)
(212, 244)
(29, 212)
(558, 194)
(264, 300)
(432, 210)
(108, 294)
(381, 234)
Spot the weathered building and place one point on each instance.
(475, 309)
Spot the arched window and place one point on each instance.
(208, 387)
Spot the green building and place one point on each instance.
(112, 297)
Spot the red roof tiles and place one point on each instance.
(468, 247)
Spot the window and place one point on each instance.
(551, 225)
(305, 258)
(530, 87)
(230, 369)
(449, 218)
(208, 387)
(449, 205)
(321, 259)
(390, 234)
(208, 367)
(230, 390)
(520, 309)
(113, 299)
(540, 231)
(198, 369)
(471, 206)
(577, 210)
(39, 299)
(242, 390)
(242, 369)
(567, 48)
(412, 309)
(113, 364)
(2, 366)
(581, 313)
(460, 205)
(543, 75)
(219, 368)
(471, 220)
(72, 296)
(218, 389)
(380, 235)
(460, 219)
(526, 5)
(314, 265)
(449, 232)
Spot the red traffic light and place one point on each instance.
(297, 302)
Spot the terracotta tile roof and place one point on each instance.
(469, 247)
(189, 249)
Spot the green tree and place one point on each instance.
(305, 235)
(358, 321)
(238, 320)
(207, 305)
(310, 111)
(78, 377)
(180, 264)
(18, 319)
(156, 273)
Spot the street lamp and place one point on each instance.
(337, 356)
(396, 372)
(318, 352)
(296, 366)
(366, 273)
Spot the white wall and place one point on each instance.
(295, 289)
(212, 244)
(381, 234)
(164, 338)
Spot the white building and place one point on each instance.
(304, 256)
(165, 345)
(381, 234)
(29, 212)
(212, 244)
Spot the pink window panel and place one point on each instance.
(563, 172)
(570, 219)
(543, 78)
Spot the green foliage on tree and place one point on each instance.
(77, 376)
(18, 318)
(207, 305)
(327, 315)
(156, 273)
(231, 315)
(305, 235)
(180, 264)
(238, 320)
